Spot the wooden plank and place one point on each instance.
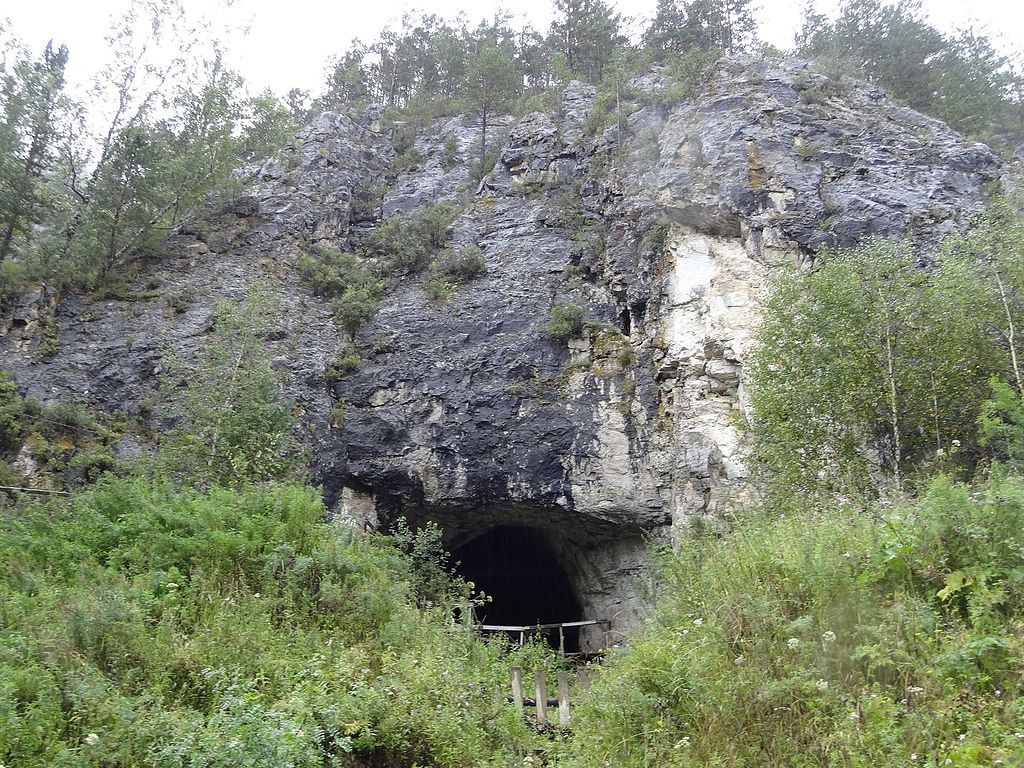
(534, 627)
(542, 697)
(564, 715)
(517, 690)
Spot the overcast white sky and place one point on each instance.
(289, 41)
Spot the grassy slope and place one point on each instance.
(141, 625)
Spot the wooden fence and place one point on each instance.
(540, 700)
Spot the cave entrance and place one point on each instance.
(519, 569)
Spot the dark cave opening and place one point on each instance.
(520, 570)
(625, 322)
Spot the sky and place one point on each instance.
(289, 42)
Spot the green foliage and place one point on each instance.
(66, 442)
(451, 153)
(345, 365)
(404, 161)
(354, 308)
(959, 77)
(566, 321)
(434, 579)
(438, 290)
(461, 264)
(872, 366)
(680, 28)
(234, 627)
(331, 272)
(828, 633)
(84, 197)
(587, 31)
(1002, 423)
(33, 102)
(12, 413)
(12, 283)
(342, 277)
(231, 428)
(807, 150)
(407, 243)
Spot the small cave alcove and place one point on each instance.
(519, 569)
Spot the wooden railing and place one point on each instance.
(542, 629)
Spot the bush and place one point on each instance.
(236, 627)
(404, 161)
(461, 264)
(406, 243)
(12, 283)
(231, 428)
(12, 413)
(354, 308)
(345, 365)
(438, 290)
(566, 321)
(451, 153)
(331, 272)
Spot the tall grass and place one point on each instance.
(835, 639)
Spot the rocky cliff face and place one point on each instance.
(466, 411)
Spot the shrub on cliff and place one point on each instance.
(566, 321)
(462, 263)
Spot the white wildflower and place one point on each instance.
(698, 622)
(822, 685)
(793, 643)
(828, 636)
(92, 739)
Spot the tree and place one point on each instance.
(178, 126)
(960, 78)
(494, 81)
(33, 103)
(678, 27)
(586, 32)
(871, 365)
(231, 427)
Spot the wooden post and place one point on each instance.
(467, 618)
(542, 697)
(561, 640)
(583, 676)
(564, 715)
(517, 690)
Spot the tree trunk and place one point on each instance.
(890, 358)
(8, 236)
(1011, 332)
(483, 139)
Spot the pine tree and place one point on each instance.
(586, 32)
(494, 80)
